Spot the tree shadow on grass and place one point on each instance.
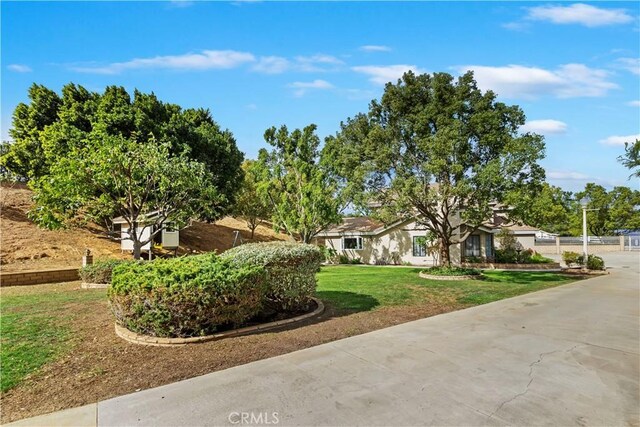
(524, 277)
(349, 302)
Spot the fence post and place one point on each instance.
(557, 245)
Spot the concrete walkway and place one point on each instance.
(564, 356)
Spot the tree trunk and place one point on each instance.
(445, 252)
(136, 249)
(253, 229)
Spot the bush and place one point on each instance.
(291, 271)
(187, 296)
(330, 255)
(506, 256)
(355, 261)
(594, 262)
(536, 258)
(571, 258)
(452, 271)
(343, 259)
(100, 271)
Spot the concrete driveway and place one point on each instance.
(564, 356)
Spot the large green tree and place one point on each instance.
(435, 147)
(129, 177)
(551, 209)
(301, 194)
(610, 212)
(49, 127)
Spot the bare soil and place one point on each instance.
(24, 246)
(102, 365)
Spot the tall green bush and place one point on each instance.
(188, 296)
(100, 271)
(290, 267)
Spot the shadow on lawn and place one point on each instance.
(348, 301)
(523, 277)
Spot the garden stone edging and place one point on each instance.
(136, 338)
(436, 277)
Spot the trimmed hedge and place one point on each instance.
(452, 271)
(290, 267)
(100, 271)
(187, 296)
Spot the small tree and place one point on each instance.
(127, 177)
(509, 246)
(302, 196)
(249, 206)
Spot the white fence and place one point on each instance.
(596, 244)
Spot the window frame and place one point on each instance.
(467, 250)
(424, 247)
(359, 243)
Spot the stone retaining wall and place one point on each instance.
(21, 278)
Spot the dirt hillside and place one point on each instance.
(24, 246)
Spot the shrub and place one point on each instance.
(536, 258)
(100, 271)
(187, 296)
(452, 271)
(355, 261)
(473, 259)
(343, 259)
(594, 262)
(506, 256)
(290, 267)
(571, 258)
(330, 254)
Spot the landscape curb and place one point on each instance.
(94, 285)
(135, 338)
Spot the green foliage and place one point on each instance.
(128, 177)
(571, 258)
(537, 258)
(437, 147)
(100, 271)
(594, 262)
(187, 296)
(343, 259)
(631, 157)
(291, 271)
(452, 271)
(550, 209)
(51, 128)
(249, 206)
(509, 246)
(330, 254)
(302, 196)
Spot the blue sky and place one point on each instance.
(573, 67)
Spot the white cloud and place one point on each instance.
(634, 103)
(630, 64)
(272, 65)
(567, 81)
(206, 60)
(382, 74)
(567, 176)
(544, 127)
(19, 68)
(319, 62)
(619, 140)
(579, 13)
(375, 48)
(301, 88)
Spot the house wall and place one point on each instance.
(528, 241)
(396, 243)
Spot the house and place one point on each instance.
(168, 238)
(403, 242)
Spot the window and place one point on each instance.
(419, 246)
(352, 243)
(472, 246)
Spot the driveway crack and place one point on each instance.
(532, 365)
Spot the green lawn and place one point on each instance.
(362, 288)
(35, 328)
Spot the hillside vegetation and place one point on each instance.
(24, 246)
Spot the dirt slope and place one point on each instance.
(24, 246)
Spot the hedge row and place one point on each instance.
(100, 271)
(199, 295)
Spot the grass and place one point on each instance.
(35, 328)
(37, 322)
(356, 288)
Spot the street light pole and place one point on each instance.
(584, 202)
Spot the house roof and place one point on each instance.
(355, 224)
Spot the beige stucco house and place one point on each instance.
(403, 242)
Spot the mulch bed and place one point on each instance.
(102, 365)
